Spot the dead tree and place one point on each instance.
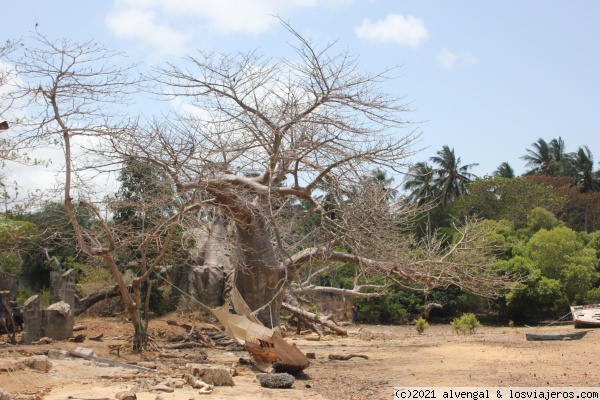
(71, 90)
(268, 140)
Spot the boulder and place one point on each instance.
(276, 381)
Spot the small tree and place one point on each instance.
(467, 323)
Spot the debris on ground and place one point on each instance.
(347, 357)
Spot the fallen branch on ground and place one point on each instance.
(346, 358)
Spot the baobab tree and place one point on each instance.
(265, 136)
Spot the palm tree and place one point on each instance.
(540, 158)
(419, 183)
(505, 171)
(582, 163)
(450, 177)
(549, 158)
(563, 161)
(380, 177)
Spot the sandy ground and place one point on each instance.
(398, 357)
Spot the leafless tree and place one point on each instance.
(269, 171)
(266, 136)
(72, 91)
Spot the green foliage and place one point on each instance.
(158, 303)
(593, 296)
(394, 308)
(455, 301)
(23, 295)
(44, 297)
(560, 254)
(510, 199)
(536, 300)
(92, 278)
(420, 325)
(467, 323)
(17, 238)
(540, 218)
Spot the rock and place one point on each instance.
(204, 387)
(147, 364)
(163, 388)
(159, 397)
(213, 375)
(4, 395)
(84, 351)
(276, 381)
(63, 308)
(57, 354)
(40, 363)
(312, 356)
(127, 395)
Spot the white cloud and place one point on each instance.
(168, 25)
(449, 60)
(395, 28)
(142, 25)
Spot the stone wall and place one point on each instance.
(34, 322)
(52, 323)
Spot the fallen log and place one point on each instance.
(346, 358)
(109, 362)
(82, 305)
(308, 316)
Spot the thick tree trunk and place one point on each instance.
(260, 278)
(204, 276)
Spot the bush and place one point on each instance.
(593, 296)
(420, 325)
(467, 323)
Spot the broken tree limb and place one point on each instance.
(429, 307)
(346, 358)
(109, 362)
(308, 316)
(82, 305)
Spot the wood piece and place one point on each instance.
(115, 348)
(184, 345)
(109, 362)
(308, 316)
(346, 358)
(78, 338)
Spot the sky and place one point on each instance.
(486, 78)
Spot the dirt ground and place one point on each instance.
(397, 356)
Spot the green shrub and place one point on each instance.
(420, 325)
(467, 323)
(44, 297)
(23, 295)
(593, 296)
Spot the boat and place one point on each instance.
(587, 316)
(268, 348)
(556, 336)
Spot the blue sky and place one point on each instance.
(485, 78)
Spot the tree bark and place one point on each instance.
(260, 279)
(82, 305)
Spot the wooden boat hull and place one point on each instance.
(586, 316)
(555, 336)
